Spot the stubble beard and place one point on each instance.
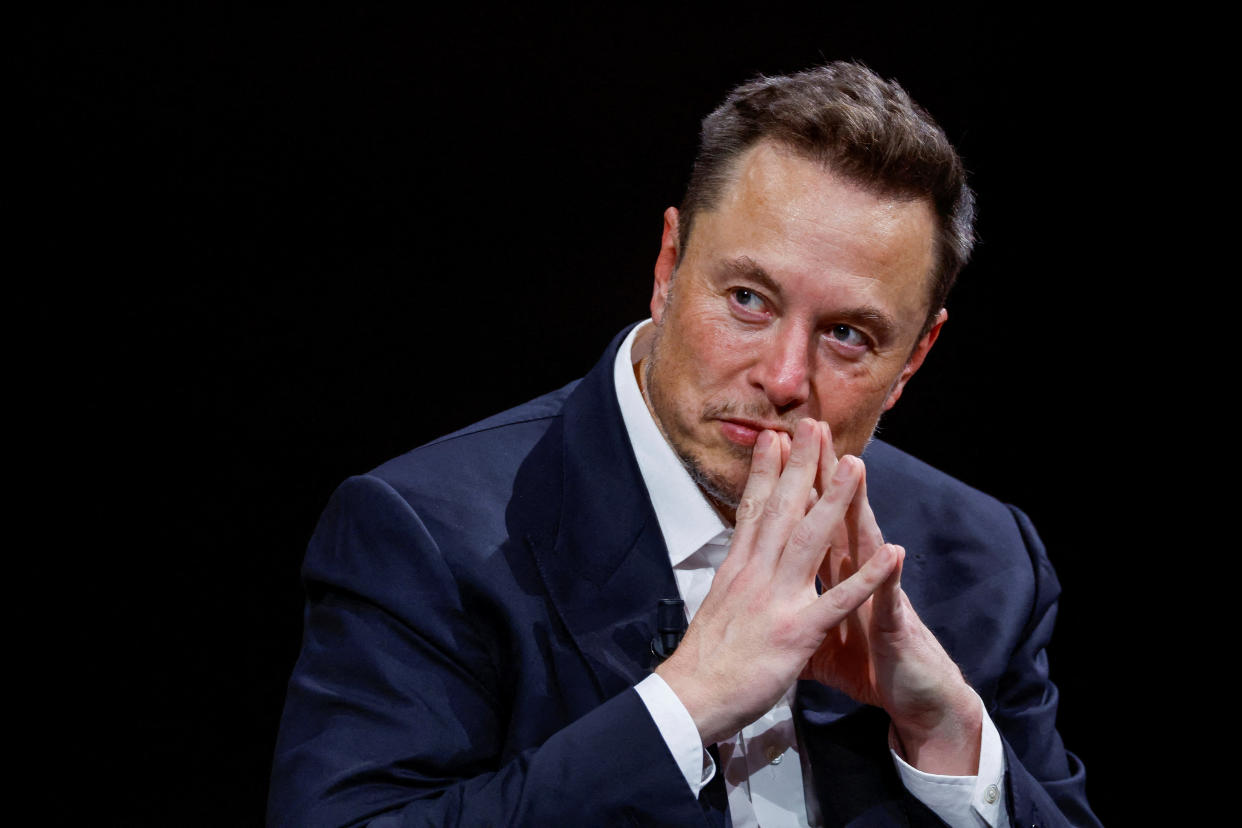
(716, 486)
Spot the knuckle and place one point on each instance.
(787, 632)
(749, 508)
(759, 470)
(834, 607)
(742, 584)
(843, 597)
(803, 536)
(798, 460)
(838, 496)
(775, 506)
(839, 490)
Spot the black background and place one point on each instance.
(271, 249)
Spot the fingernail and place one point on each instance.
(765, 440)
(805, 429)
(844, 469)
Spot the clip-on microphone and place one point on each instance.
(670, 626)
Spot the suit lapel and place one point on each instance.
(603, 557)
(606, 565)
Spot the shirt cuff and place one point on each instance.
(961, 801)
(680, 734)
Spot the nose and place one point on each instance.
(782, 368)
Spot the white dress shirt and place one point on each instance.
(764, 769)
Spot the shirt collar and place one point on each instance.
(687, 520)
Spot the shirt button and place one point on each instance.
(774, 754)
(991, 794)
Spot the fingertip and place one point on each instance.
(768, 452)
(764, 442)
(805, 429)
(899, 559)
(847, 468)
(827, 459)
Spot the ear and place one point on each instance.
(666, 264)
(916, 359)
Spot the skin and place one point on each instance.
(791, 324)
(801, 295)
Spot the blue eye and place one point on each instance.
(847, 335)
(748, 302)
(747, 298)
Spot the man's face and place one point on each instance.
(800, 295)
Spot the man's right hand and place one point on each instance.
(763, 618)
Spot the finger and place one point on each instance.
(765, 470)
(888, 604)
(843, 543)
(827, 457)
(808, 543)
(838, 564)
(786, 447)
(840, 554)
(864, 533)
(831, 608)
(786, 505)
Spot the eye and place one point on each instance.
(847, 335)
(747, 300)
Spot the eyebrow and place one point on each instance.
(745, 267)
(879, 322)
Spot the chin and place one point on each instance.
(718, 488)
(724, 486)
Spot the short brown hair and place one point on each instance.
(856, 124)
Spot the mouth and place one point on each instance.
(746, 432)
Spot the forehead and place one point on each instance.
(798, 219)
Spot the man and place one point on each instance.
(482, 612)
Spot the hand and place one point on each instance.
(763, 619)
(882, 653)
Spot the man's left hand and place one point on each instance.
(884, 655)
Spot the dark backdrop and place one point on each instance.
(275, 248)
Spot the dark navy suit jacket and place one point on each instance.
(479, 610)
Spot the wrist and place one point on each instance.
(944, 740)
(711, 725)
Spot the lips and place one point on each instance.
(744, 432)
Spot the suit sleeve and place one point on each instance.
(1045, 784)
(395, 713)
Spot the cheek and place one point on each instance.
(713, 351)
(868, 376)
(850, 389)
(730, 354)
(851, 399)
